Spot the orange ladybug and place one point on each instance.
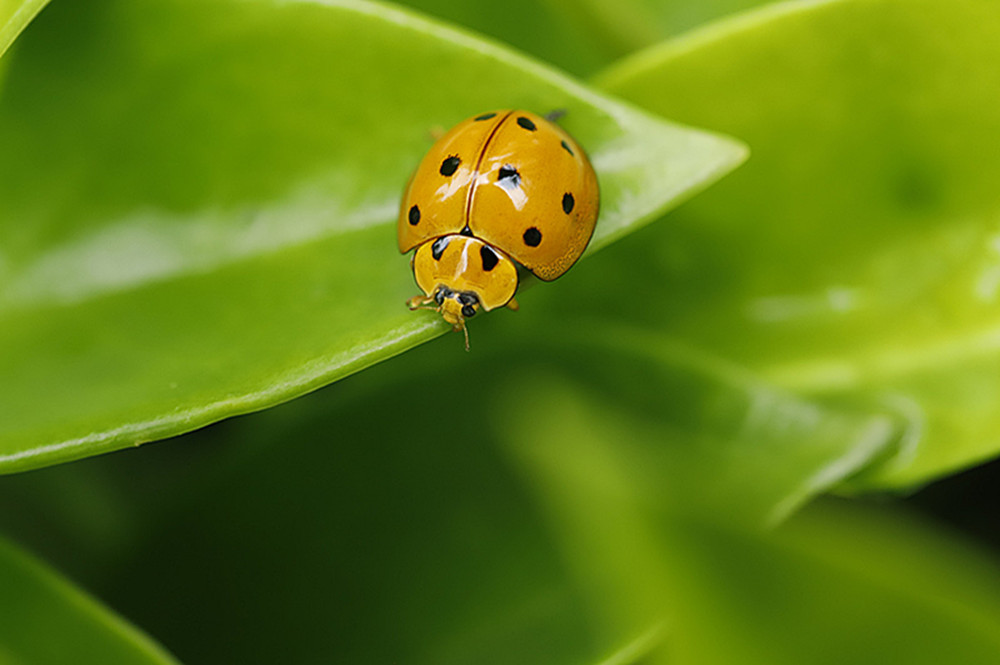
(501, 190)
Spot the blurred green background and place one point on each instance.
(756, 427)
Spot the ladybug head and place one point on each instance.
(456, 306)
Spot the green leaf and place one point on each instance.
(654, 432)
(199, 201)
(435, 495)
(825, 588)
(581, 36)
(379, 514)
(838, 584)
(625, 26)
(408, 507)
(396, 493)
(688, 432)
(44, 619)
(856, 257)
(539, 28)
(14, 16)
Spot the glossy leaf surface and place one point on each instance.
(199, 200)
(14, 16)
(856, 256)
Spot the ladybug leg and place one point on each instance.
(428, 303)
(422, 302)
(555, 114)
(436, 132)
(513, 305)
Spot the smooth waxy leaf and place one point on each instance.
(856, 257)
(199, 200)
(45, 620)
(14, 16)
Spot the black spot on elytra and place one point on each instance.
(450, 165)
(485, 116)
(437, 249)
(568, 203)
(414, 216)
(489, 257)
(509, 176)
(466, 231)
(532, 237)
(566, 147)
(527, 124)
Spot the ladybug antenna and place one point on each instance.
(465, 330)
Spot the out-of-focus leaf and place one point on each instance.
(688, 432)
(375, 521)
(44, 620)
(581, 36)
(14, 16)
(198, 199)
(835, 586)
(408, 496)
(826, 589)
(856, 257)
(538, 28)
(624, 27)
(393, 491)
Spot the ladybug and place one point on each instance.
(501, 192)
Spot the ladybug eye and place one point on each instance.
(468, 311)
(442, 293)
